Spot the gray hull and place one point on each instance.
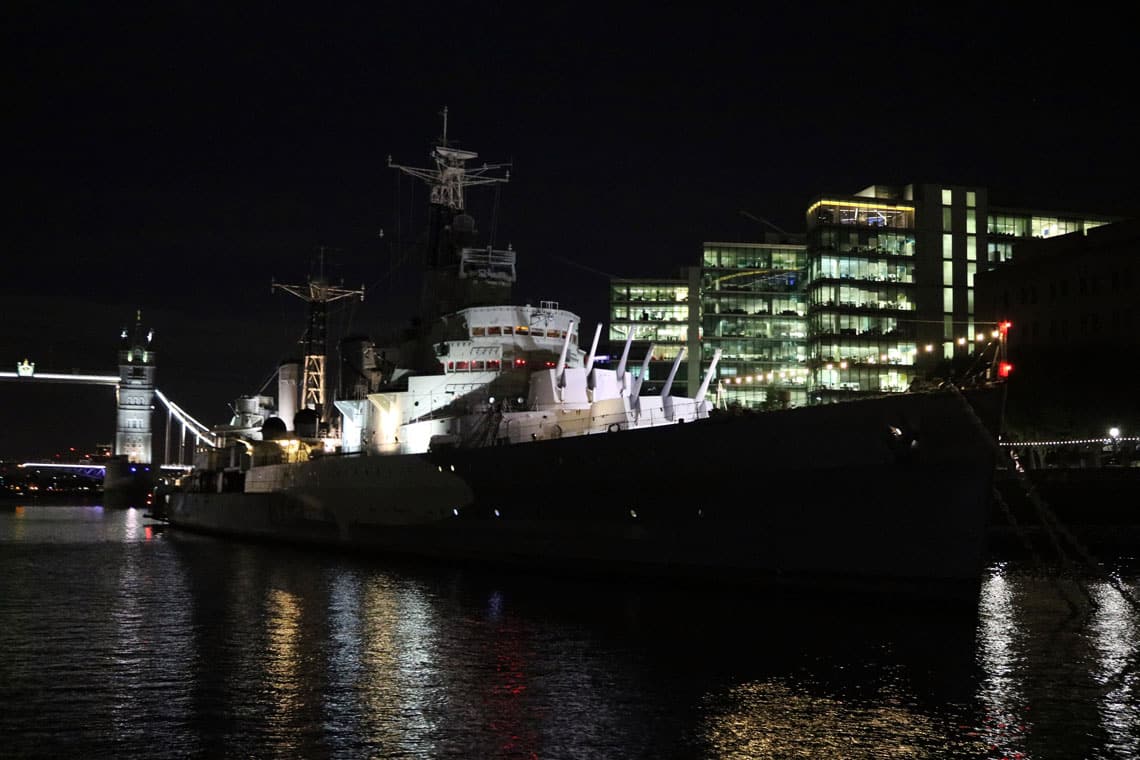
(883, 494)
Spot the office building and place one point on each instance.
(879, 291)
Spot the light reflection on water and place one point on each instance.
(1001, 646)
(1058, 654)
(1115, 632)
(120, 639)
(282, 622)
(774, 719)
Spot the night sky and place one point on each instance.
(175, 158)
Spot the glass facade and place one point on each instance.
(1004, 226)
(753, 308)
(658, 313)
(860, 297)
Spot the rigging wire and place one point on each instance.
(584, 267)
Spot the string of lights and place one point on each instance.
(1071, 442)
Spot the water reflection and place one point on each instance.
(66, 524)
(113, 645)
(128, 634)
(345, 662)
(774, 719)
(281, 625)
(1115, 630)
(401, 679)
(1001, 656)
(1059, 650)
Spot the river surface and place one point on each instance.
(119, 639)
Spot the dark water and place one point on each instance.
(119, 640)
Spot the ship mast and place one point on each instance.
(451, 175)
(458, 274)
(319, 294)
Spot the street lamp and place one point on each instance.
(1114, 434)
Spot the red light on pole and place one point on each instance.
(1004, 327)
(1004, 369)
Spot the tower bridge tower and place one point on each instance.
(135, 394)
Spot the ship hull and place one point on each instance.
(887, 494)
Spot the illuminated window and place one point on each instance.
(948, 274)
(948, 300)
(946, 196)
(948, 350)
(971, 270)
(946, 218)
(971, 248)
(971, 199)
(971, 221)
(947, 246)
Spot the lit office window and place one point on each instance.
(948, 350)
(947, 246)
(946, 196)
(1041, 226)
(948, 300)
(946, 218)
(969, 300)
(971, 270)
(971, 221)
(971, 248)
(971, 199)
(948, 274)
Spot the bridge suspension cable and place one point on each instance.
(200, 431)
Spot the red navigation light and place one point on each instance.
(1004, 327)
(1004, 368)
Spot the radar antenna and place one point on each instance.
(451, 175)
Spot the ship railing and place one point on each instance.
(487, 264)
